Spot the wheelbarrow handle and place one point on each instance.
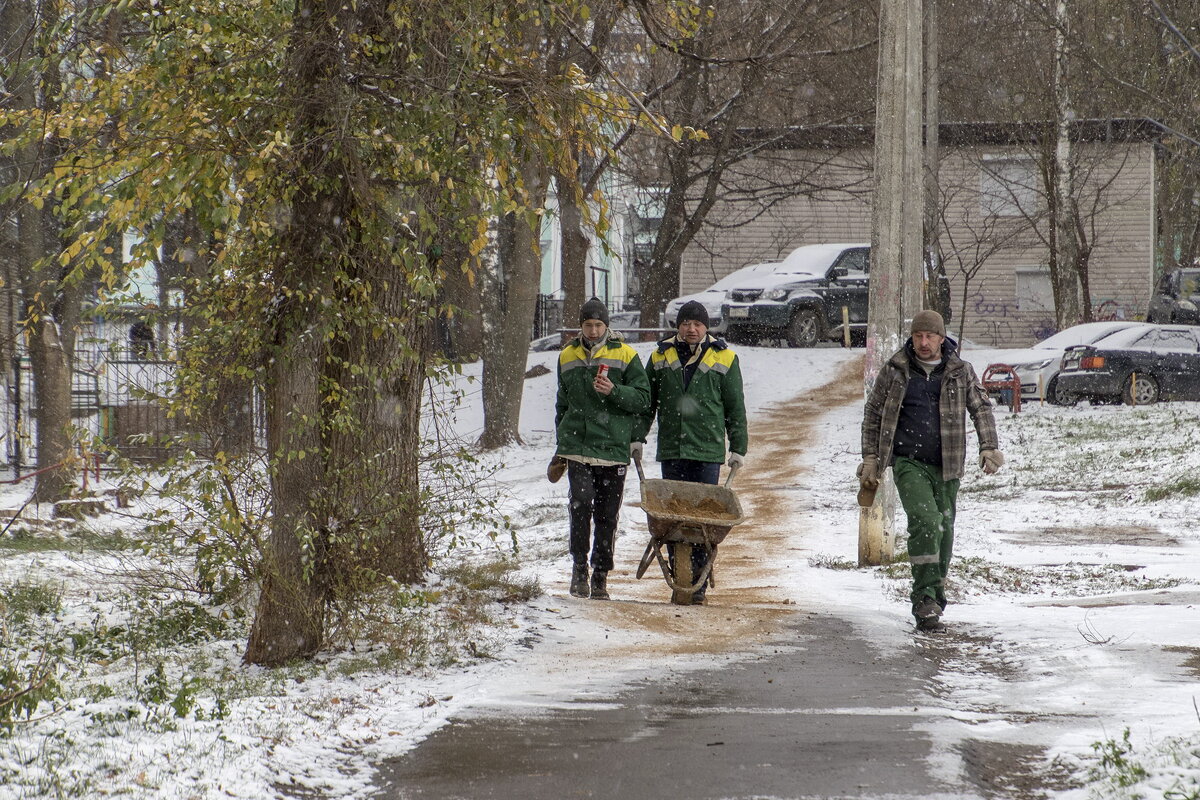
(732, 471)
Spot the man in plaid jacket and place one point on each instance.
(915, 422)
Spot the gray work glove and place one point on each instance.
(868, 473)
(990, 461)
(636, 449)
(736, 460)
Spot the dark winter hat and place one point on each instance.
(693, 310)
(593, 309)
(929, 322)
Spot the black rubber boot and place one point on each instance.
(579, 580)
(599, 585)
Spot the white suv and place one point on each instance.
(712, 297)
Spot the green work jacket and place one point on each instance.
(693, 422)
(590, 424)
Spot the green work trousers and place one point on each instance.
(929, 503)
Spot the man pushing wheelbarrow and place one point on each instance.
(696, 395)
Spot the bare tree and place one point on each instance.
(743, 65)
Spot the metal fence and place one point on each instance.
(112, 401)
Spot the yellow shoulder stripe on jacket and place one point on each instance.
(617, 357)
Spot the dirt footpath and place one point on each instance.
(747, 600)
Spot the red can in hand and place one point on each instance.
(603, 371)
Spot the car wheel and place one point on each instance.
(803, 329)
(1059, 396)
(1140, 391)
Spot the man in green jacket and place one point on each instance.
(696, 393)
(602, 390)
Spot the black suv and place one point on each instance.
(1177, 299)
(802, 301)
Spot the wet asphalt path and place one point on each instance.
(825, 716)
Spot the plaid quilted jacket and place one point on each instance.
(961, 394)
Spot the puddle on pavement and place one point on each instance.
(1191, 662)
(1130, 535)
(1004, 770)
(955, 650)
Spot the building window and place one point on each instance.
(600, 286)
(1035, 295)
(1008, 187)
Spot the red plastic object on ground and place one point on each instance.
(1003, 378)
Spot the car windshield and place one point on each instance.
(1189, 282)
(811, 260)
(732, 279)
(1139, 338)
(1087, 333)
(1176, 340)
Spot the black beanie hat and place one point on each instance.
(693, 310)
(593, 309)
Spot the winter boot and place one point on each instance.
(579, 580)
(599, 585)
(927, 612)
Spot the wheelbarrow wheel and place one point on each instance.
(683, 573)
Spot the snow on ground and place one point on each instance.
(1072, 619)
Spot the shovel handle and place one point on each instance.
(637, 462)
(732, 471)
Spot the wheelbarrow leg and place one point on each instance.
(683, 573)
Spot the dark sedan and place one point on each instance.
(1139, 366)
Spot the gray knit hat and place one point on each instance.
(928, 321)
(593, 309)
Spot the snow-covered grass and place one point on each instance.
(1072, 625)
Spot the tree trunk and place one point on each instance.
(290, 619)
(52, 385)
(575, 245)
(1064, 272)
(349, 347)
(461, 329)
(289, 622)
(509, 308)
(36, 87)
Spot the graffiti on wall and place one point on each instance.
(999, 322)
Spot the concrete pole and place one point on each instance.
(896, 251)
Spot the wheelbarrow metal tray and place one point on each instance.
(674, 507)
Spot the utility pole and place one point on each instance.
(896, 237)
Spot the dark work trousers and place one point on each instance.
(596, 494)
(930, 504)
(682, 469)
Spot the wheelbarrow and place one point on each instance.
(682, 515)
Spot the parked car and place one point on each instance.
(802, 300)
(1138, 366)
(1037, 367)
(546, 343)
(625, 323)
(714, 296)
(1177, 299)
